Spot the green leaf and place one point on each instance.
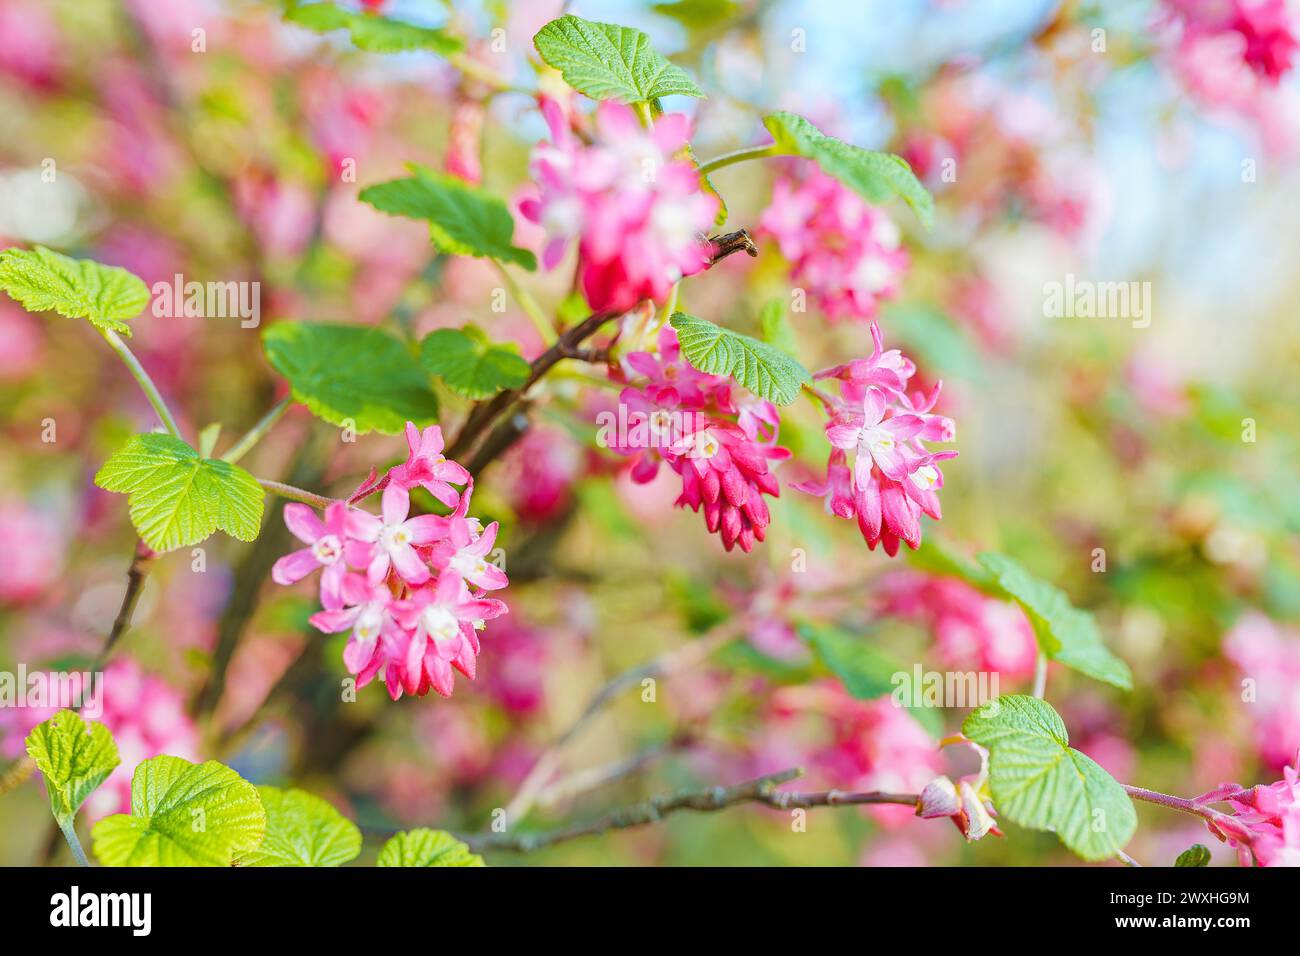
(937, 555)
(1064, 632)
(303, 830)
(774, 323)
(610, 62)
(874, 176)
(1198, 854)
(371, 31)
(865, 672)
(426, 848)
(470, 364)
(42, 281)
(699, 14)
(352, 375)
(178, 498)
(1040, 782)
(464, 220)
(182, 814)
(75, 758)
(764, 370)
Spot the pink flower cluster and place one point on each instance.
(893, 479)
(145, 715)
(1261, 33)
(971, 629)
(631, 200)
(412, 590)
(1270, 657)
(844, 250)
(718, 445)
(1270, 815)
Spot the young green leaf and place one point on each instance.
(74, 757)
(1040, 782)
(470, 364)
(371, 31)
(1064, 632)
(178, 498)
(609, 62)
(764, 370)
(464, 220)
(352, 376)
(426, 848)
(865, 672)
(183, 814)
(1198, 854)
(303, 830)
(42, 280)
(873, 176)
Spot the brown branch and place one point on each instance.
(761, 791)
(731, 243)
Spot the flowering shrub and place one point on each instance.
(497, 300)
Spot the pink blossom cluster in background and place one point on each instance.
(630, 200)
(412, 590)
(1269, 657)
(717, 442)
(843, 251)
(1269, 814)
(971, 629)
(891, 479)
(145, 714)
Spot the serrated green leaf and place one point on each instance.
(74, 757)
(464, 220)
(373, 32)
(426, 848)
(178, 498)
(303, 830)
(764, 370)
(874, 176)
(352, 375)
(1064, 632)
(609, 62)
(1198, 854)
(1040, 782)
(471, 365)
(44, 281)
(183, 814)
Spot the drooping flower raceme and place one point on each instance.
(718, 446)
(879, 470)
(843, 250)
(411, 590)
(630, 199)
(1270, 815)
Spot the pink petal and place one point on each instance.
(294, 567)
(303, 523)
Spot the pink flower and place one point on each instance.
(427, 468)
(629, 199)
(1269, 656)
(724, 472)
(842, 249)
(464, 552)
(1271, 816)
(33, 554)
(894, 479)
(967, 802)
(326, 540)
(440, 625)
(369, 615)
(396, 537)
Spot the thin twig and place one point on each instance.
(761, 791)
(255, 434)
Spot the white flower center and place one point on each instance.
(926, 477)
(394, 536)
(327, 549)
(876, 440)
(706, 446)
(369, 623)
(439, 623)
(467, 565)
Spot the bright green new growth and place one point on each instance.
(874, 176)
(763, 369)
(303, 830)
(42, 281)
(1040, 782)
(74, 757)
(464, 220)
(470, 364)
(183, 814)
(425, 847)
(351, 375)
(609, 62)
(1198, 854)
(371, 31)
(178, 498)
(1064, 632)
